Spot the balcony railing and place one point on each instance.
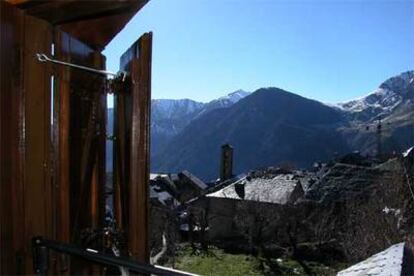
(42, 246)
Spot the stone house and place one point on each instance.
(247, 205)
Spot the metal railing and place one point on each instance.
(42, 246)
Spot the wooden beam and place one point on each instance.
(61, 127)
(98, 180)
(37, 190)
(119, 171)
(95, 22)
(86, 214)
(60, 12)
(18, 2)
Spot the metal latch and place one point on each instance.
(121, 75)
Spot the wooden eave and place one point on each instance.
(94, 22)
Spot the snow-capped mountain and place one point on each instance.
(169, 117)
(174, 108)
(271, 126)
(266, 128)
(392, 94)
(231, 98)
(393, 103)
(225, 101)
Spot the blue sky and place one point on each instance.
(331, 51)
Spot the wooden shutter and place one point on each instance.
(132, 129)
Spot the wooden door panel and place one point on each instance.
(12, 138)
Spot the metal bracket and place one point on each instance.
(117, 84)
(121, 75)
(111, 137)
(40, 256)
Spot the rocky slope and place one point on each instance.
(392, 103)
(365, 208)
(168, 118)
(394, 94)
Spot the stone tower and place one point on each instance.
(226, 162)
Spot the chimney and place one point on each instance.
(226, 162)
(239, 189)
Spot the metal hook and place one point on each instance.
(122, 75)
(42, 57)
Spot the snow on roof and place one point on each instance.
(153, 176)
(153, 193)
(386, 263)
(162, 196)
(273, 190)
(186, 227)
(408, 152)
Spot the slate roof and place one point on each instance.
(278, 189)
(200, 184)
(161, 195)
(386, 263)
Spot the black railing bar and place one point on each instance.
(102, 258)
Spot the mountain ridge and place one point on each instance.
(304, 129)
(383, 100)
(272, 126)
(250, 127)
(169, 117)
